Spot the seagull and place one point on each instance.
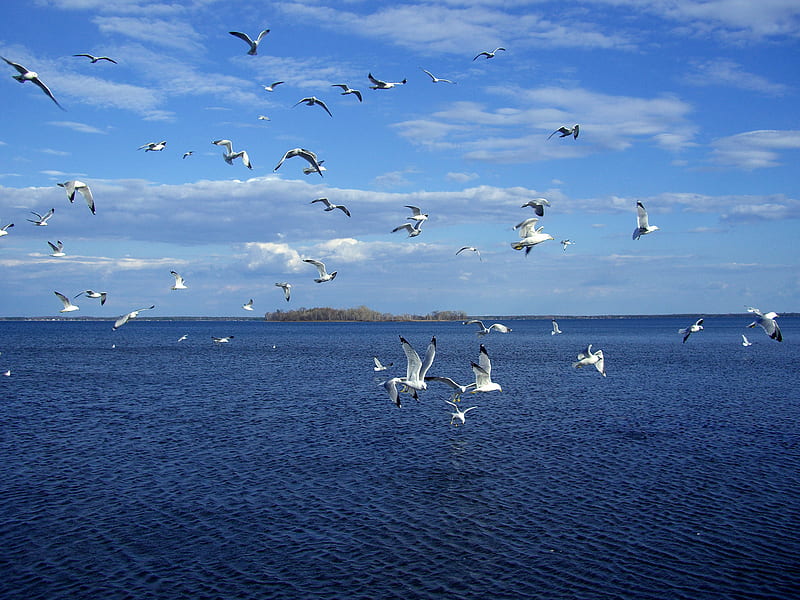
(311, 101)
(93, 294)
(179, 282)
(458, 389)
(767, 322)
(529, 235)
(302, 153)
(78, 186)
(378, 366)
(487, 54)
(459, 415)
(230, 155)
(565, 243)
(310, 170)
(471, 249)
(323, 274)
(263, 118)
(248, 305)
(153, 146)
(271, 88)
(329, 206)
(537, 204)
(416, 370)
(287, 289)
(383, 85)
(567, 131)
(94, 59)
(68, 306)
(643, 226)
(417, 214)
(556, 330)
(413, 230)
(435, 79)
(7, 373)
(26, 75)
(348, 90)
(58, 248)
(587, 357)
(483, 330)
(483, 374)
(253, 44)
(183, 337)
(131, 315)
(745, 341)
(687, 331)
(222, 340)
(41, 220)
(188, 153)
(4, 229)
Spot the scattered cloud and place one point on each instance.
(754, 149)
(80, 127)
(728, 73)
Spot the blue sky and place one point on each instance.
(689, 107)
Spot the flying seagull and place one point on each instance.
(229, 156)
(377, 84)
(271, 88)
(488, 54)
(565, 243)
(483, 374)
(179, 282)
(304, 154)
(348, 90)
(4, 229)
(416, 214)
(687, 331)
(567, 131)
(263, 118)
(745, 341)
(643, 226)
(416, 370)
(767, 322)
(222, 340)
(378, 365)
(471, 249)
(94, 59)
(68, 306)
(78, 186)
(183, 337)
(58, 248)
(537, 204)
(556, 330)
(329, 206)
(188, 153)
(287, 289)
(26, 75)
(435, 79)
(457, 388)
(153, 146)
(131, 315)
(253, 44)
(529, 235)
(311, 101)
(41, 220)
(248, 305)
(587, 357)
(323, 274)
(413, 230)
(310, 170)
(459, 415)
(483, 330)
(93, 294)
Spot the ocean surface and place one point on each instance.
(136, 466)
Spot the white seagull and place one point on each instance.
(565, 243)
(58, 248)
(263, 118)
(471, 249)
(94, 59)
(41, 220)
(26, 75)
(687, 331)
(271, 88)
(183, 337)
(4, 229)
(222, 340)
(68, 306)
(287, 289)
(330, 206)
(416, 370)
(457, 388)
(323, 274)
(378, 365)
(529, 235)
(416, 214)
(587, 357)
(311, 101)
(488, 54)
(483, 330)
(767, 322)
(180, 284)
(229, 156)
(537, 204)
(459, 415)
(310, 170)
(248, 305)
(188, 153)
(304, 154)
(377, 84)
(348, 90)
(78, 186)
(131, 315)
(93, 294)
(745, 341)
(253, 44)
(556, 330)
(643, 226)
(153, 146)
(483, 374)
(413, 230)
(435, 79)
(567, 131)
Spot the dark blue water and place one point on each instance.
(159, 469)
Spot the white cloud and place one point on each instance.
(75, 126)
(754, 149)
(171, 33)
(728, 73)
(461, 177)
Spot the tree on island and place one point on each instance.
(359, 313)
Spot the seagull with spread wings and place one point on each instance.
(252, 43)
(32, 76)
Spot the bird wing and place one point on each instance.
(414, 210)
(47, 91)
(87, 194)
(324, 200)
(484, 362)
(500, 327)
(641, 216)
(320, 266)
(414, 363)
(61, 297)
(406, 226)
(242, 36)
(22, 70)
(600, 365)
(369, 75)
(428, 360)
(261, 35)
(56, 248)
(227, 143)
(323, 105)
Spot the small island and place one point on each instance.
(359, 313)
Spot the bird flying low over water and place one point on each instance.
(68, 306)
(94, 59)
(488, 54)
(457, 388)
(248, 305)
(377, 84)
(93, 294)
(378, 365)
(32, 76)
(323, 274)
(587, 357)
(179, 284)
(567, 131)
(329, 206)
(346, 89)
(229, 156)
(556, 329)
(460, 416)
(767, 322)
(483, 330)
(537, 204)
(416, 370)
(287, 289)
(307, 155)
(311, 101)
(252, 43)
(78, 186)
(643, 226)
(483, 374)
(745, 341)
(222, 340)
(41, 220)
(153, 146)
(131, 315)
(687, 331)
